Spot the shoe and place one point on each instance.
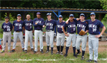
(65, 55)
(78, 53)
(34, 52)
(82, 58)
(13, 50)
(9, 51)
(51, 52)
(61, 53)
(32, 49)
(25, 51)
(89, 60)
(75, 56)
(95, 61)
(2, 51)
(57, 52)
(41, 50)
(47, 51)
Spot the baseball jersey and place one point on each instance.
(28, 25)
(40, 22)
(59, 26)
(50, 25)
(94, 26)
(7, 27)
(18, 25)
(82, 26)
(71, 27)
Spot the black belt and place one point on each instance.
(71, 33)
(29, 30)
(94, 34)
(7, 31)
(82, 35)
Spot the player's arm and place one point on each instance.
(64, 32)
(2, 26)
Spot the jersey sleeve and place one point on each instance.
(101, 24)
(2, 26)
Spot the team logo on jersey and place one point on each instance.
(49, 24)
(28, 24)
(94, 27)
(81, 26)
(38, 22)
(72, 25)
(18, 24)
(59, 26)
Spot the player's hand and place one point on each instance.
(67, 21)
(77, 19)
(97, 36)
(36, 23)
(66, 34)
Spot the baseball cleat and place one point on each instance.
(82, 58)
(95, 61)
(57, 52)
(89, 60)
(75, 56)
(47, 51)
(61, 53)
(2, 51)
(25, 51)
(41, 50)
(32, 49)
(65, 55)
(78, 53)
(34, 52)
(13, 50)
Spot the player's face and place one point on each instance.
(19, 17)
(28, 16)
(38, 16)
(71, 18)
(92, 16)
(82, 17)
(60, 19)
(6, 20)
(48, 17)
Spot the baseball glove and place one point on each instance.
(82, 32)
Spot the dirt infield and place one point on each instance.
(102, 47)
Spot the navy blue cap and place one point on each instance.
(19, 15)
(48, 14)
(6, 17)
(60, 16)
(71, 15)
(82, 14)
(92, 13)
(38, 13)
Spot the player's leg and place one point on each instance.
(41, 41)
(51, 40)
(78, 41)
(68, 43)
(74, 44)
(84, 41)
(31, 40)
(58, 43)
(4, 42)
(21, 39)
(15, 35)
(26, 40)
(47, 41)
(9, 41)
(36, 40)
(62, 43)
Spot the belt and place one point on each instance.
(29, 30)
(71, 33)
(7, 31)
(49, 30)
(82, 35)
(17, 31)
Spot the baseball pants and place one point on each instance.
(38, 33)
(6, 36)
(93, 45)
(28, 36)
(82, 39)
(71, 37)
(49, 38)
(16, 35)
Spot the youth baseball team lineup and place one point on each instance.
(67, 29)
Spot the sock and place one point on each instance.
(83, 52)
(67, 50)
(51, 48)
(74, 50)
(58, 48)
(62, 48)
(47, 48)
(78, 51)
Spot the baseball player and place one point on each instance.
(7, 28)
(94, 35)
(60, 35)
(38, 25)
(28, 23)
(18, 26)
(81, 25)
(71, 34)
(50, 24)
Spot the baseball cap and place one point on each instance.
(48, 14)
(71, 15)
(18, 15)
(60, 16)
(38, 13)
(92, 13)
(6, 17)
(82, 14)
